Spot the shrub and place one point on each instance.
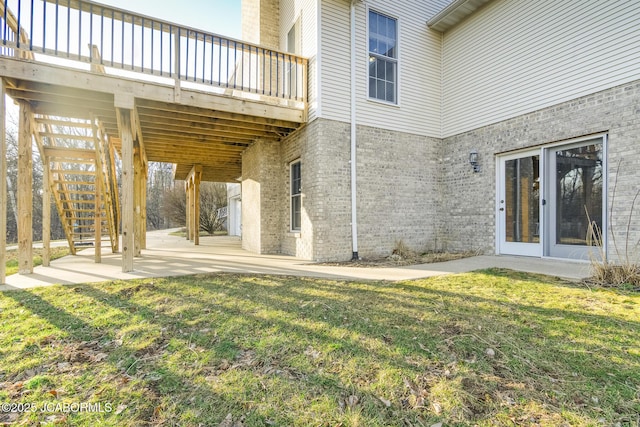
(624, 272)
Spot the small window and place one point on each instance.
(292, 79)
(296, 196)
(383, 57)
(291, 39)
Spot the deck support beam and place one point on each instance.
(25, 191)
(3, 186)
(128, 191)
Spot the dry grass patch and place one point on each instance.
(12, 257)
(624, 271)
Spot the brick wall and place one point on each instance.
(261, 22)
(397, 191)
(323, 148)
(261, 201)
(467, 219)
(417, 189)
(330, 191)
(394, 184)
(296, 243)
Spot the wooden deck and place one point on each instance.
(194, 127)
(200, 117)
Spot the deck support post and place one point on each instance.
(139, 182)
(25, 191)
(143, 205)
(193, 179)
(128, 196)
(46, 213)
(190, 210)
(196, 209)
(192, 201)
(140, 166)
(3, 186)
(100, 189)
(98, 222)
(114, 199)
(187, 192)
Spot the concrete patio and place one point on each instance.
(173, 256)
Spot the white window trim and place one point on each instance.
(291, 196)
(398, 57)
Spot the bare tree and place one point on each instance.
(12, 187)
(175, 205)
(159, 182)
(213, 196)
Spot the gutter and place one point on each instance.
(454, 13)
(352, 161)
(448, 10)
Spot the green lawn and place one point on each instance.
(486, 348)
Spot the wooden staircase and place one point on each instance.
(78, 167)
(79, 164)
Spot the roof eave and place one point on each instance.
(454, 13)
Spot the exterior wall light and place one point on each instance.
(473, 160)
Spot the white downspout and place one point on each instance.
(354, 212)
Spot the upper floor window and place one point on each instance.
(383, 57)
(292, 78)
(292, 37)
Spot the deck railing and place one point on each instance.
(105, 36)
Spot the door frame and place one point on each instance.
(545, 202)
(581, 252)
(515, 248)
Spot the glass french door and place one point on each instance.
(551, 199)
(576, 195)
(519, 205)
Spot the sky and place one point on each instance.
(222, 17)
(216, 16)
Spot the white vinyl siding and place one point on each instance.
(419, 54)
(518, 56)
(335, 62)
(304, 14)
